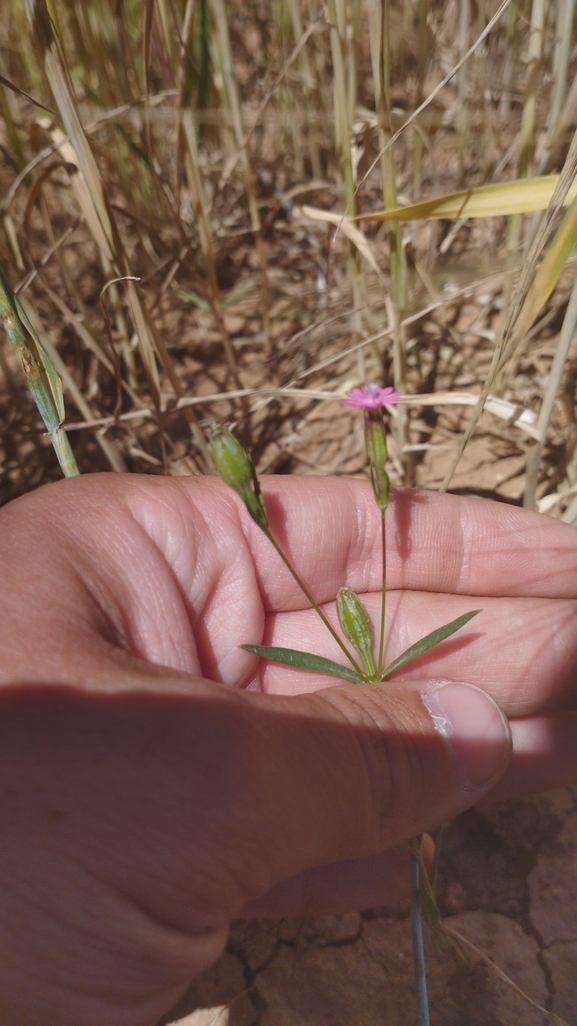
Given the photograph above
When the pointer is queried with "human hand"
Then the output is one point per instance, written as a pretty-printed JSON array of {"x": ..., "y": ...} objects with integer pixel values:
[{"x": 144, "y": 804}]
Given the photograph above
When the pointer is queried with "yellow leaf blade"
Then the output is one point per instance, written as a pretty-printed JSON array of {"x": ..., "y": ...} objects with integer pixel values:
[
  {"x": 549, "y": 272},
  {"x": 521, "y": 196}
]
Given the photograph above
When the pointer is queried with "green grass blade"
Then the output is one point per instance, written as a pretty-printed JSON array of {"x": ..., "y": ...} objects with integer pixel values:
[
  {"x": 41, "y": 377},
  {"x": 46, "y": 391},
  {"x": 304, "y": 661},
  {"x": 429, "y": 641},
  {"x": 240, "y": 292},
  {"x": 193, "y": 297},
  {"x": 51, "y": 378}
]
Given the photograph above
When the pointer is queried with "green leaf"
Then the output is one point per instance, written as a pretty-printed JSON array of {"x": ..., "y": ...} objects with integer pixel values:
[
  {"x": 41, "y": 377},
  {"x": 239, "y": 292},
  {"x": 304, "y": 660},
  {"x": 51, "y": 378},
  {"x": 193, "y": 297},
  {"x": 28, "y": 350},
  {"x": 429, "y": 641}
]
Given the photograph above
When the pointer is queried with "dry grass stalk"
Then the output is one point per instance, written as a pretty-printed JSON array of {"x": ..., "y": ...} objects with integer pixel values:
[
  {"x": 380, "y": 29},
  {"x": 532, "y": 289}
]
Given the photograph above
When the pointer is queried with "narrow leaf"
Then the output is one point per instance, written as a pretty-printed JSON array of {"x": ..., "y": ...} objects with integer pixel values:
[
  {"x": 429, "y": 641},
  {"x": 192, "y": 297},
  {"x": 240, "y": 292},
  {"x": 42, "y": 28},
  {"x": 521, "y": 196},
  {"x": 549, "y": 272},
  {"x": 39, "y": 373},
  {"x": 51, "y": 378},
  {"x": 349, "y": 229},
  {"x": 15, "y": 89},
  {"x": 304, "y": 660},
  {"x": 41, "y": 377}
]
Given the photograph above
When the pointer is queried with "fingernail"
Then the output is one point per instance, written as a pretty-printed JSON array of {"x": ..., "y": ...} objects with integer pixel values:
[{"x": 476, "y": 731}]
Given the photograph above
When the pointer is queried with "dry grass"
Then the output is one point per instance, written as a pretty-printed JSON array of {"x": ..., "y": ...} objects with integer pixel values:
[{"x": 192, "y": 144}]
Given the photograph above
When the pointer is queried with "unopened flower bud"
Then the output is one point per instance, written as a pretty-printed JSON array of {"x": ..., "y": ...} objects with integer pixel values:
[
  {"x": 356, "y": 627},
  {"x": 235, "y": 467},
  {"x": 376, "y": 443}
]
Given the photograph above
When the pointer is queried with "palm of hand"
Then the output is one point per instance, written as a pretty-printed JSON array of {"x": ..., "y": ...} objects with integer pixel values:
[{"x": 122, "y": 598}]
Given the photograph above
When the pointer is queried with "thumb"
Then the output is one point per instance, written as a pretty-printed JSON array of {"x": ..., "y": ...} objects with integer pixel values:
[
  {"x": 358, "y": 770},
  {"x": 199, "y": 791},
  {"x": 142, "y": 812}
]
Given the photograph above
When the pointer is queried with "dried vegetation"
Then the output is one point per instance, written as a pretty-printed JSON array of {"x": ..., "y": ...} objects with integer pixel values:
[{"x": 211, "y": 151}]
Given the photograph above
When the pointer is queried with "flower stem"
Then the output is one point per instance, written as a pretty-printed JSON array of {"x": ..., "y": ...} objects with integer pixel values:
[
  {"x": 438, "y": 838},
  {"x": 383, "y": 597},
  {"x": 418, "y": 950},
  {"x": 314, "y": 604}
]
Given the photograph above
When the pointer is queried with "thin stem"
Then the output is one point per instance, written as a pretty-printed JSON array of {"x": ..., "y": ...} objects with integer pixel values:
[
  {"x": 314, "y": 604},
  {"x": 66, "y": 459},
  {"x": 418, "y": 949},
  {"x": 436, "y": 859},
  {"x": 383, "y": 597}
]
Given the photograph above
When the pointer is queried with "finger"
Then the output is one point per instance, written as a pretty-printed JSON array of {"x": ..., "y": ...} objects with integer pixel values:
[
  {"x": 125, "y": 561},
  {"x": 168, "y": 804},
  {"x": 436, "y": 543},
  {"x": 522, "y": 651},
  {"x": 342, "y": 887},
  {"x": 158, "y": 566},
  {"x": 219, "y": 795},
  {"x": 544, "y": 757},
  {"x": 331, "y": 527}
]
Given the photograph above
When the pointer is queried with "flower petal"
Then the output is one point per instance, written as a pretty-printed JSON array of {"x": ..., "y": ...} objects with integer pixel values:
[{"x": 369, "y": 397}]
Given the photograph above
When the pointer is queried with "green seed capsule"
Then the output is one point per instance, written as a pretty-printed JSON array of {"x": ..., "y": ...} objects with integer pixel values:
[
  {"x": 356, "y": 627},
  {"x": 376, "y": 444},
  {"x": 235, "y": 467}
]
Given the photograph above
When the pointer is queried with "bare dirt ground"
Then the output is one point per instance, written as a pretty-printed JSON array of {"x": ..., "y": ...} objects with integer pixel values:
[{"x": 508, "y": 884}]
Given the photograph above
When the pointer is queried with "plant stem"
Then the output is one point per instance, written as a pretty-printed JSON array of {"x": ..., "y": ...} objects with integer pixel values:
[
  {"x": 383, "y": 597},
  {"x": 314, "y": 604},
  {"x": 418, "y": 950},
  {"x": 66, "y": 459},
  {"x": 436, "y": 859}
]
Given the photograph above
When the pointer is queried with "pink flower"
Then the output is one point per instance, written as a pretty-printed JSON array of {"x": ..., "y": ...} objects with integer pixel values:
[{"x": 371, "y": 396}]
